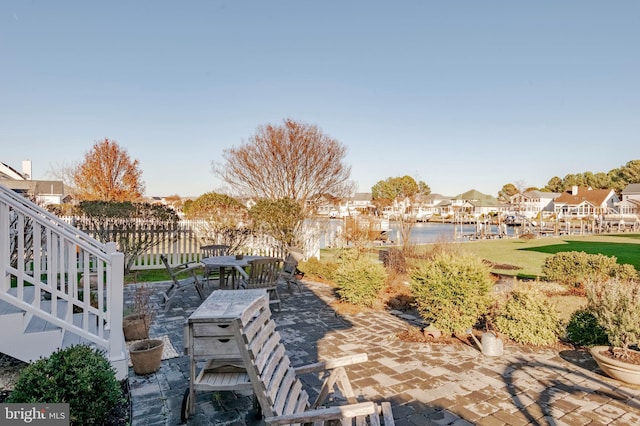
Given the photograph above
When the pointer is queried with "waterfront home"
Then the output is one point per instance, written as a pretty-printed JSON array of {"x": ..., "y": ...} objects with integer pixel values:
[
  {"x": 534, "y": 203},
  {"x": 476, "y": 204},
  {"x": 582, "y": 202}
]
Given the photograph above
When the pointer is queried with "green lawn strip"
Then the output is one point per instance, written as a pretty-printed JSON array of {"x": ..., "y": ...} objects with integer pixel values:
[
  {"x": 529, "y": 255},
  {"x": 151, "y": 275}
]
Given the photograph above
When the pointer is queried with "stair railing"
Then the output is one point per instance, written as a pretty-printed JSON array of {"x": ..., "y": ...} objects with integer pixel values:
[{"x": 61, "y": 263}]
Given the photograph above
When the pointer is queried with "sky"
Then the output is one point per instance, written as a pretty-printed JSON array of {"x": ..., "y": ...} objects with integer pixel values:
[{"x": 459, "y": 94}]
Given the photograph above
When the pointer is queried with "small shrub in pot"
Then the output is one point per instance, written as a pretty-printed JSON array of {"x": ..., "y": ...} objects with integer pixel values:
[{"x": 616, "y": 305}]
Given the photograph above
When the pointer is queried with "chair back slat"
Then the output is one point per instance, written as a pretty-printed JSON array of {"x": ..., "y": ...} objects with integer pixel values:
[
  {"x": 263, "y": 273},
  {"x": 284, "y": 388},
  {"x": 274, "y": 381},
  {"x": 264, "y": 352},
  {"x": 214, "y": 250}
]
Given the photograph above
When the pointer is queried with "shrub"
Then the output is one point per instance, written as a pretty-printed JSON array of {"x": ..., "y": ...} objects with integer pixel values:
[
  {"x": 452, "y": 292},
  {"x": 323, "y": 271},
  {"x": 616, "y": 305},
  {"x": 527, "y": 317},
  {"x": 78, "y": 375},
  {"x": 575, "y": 268},
  {"x": 359, "y": 279},
  {"x": 394, "y": 260},
  {"x": 583, "y": 329}
]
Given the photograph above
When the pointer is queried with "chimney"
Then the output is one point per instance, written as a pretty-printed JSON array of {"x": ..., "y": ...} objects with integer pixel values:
[
  {"x": 26, "y": 169},
  {"x": 574, "y": 190}
]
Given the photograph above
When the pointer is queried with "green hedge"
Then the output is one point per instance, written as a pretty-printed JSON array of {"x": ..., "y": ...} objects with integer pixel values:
[
  {"x": 359, "y": 279},
  {"x": 79, "y": 375},
  {"x": 452, "y": 291},
  {"x": 527, "y": 317},
  {"x": 576, "y": 268}
]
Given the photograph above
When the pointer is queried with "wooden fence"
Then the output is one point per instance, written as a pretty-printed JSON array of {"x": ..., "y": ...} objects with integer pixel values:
[{"x": 180, "y": 241}]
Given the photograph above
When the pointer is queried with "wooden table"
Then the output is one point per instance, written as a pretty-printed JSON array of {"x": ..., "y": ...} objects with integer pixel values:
[
  {"x": 222, "y": 263},
  {"x": 209, "y": 337}
]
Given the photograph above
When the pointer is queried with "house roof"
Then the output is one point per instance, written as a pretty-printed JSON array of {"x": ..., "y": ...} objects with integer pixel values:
[
  {"x": 596, "y": 197},
  {"x": 36, "y": 187},
  {"x": 8, "y": 172},
  {"x": 541, "y": 194},
  {"x": 478, "y": 199},
  {"x": 361, "y": 196},
  {"x": 630, "y": 202},
  {"x": 632, "y": 188}
]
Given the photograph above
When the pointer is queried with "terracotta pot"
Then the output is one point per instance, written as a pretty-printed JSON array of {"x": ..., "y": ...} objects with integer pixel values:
[
  {"x": 146, "y": 356},
  {"x": 432, "y": 332},
  {"x": 615, "y": 368},
  {"x": 135, "y": 327}
]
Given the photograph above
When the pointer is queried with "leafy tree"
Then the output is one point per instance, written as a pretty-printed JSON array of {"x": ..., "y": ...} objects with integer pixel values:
[
  {"x": 507, "y": 192},
  {"x": 219, "y": 219},
  {"x": 120, "y": 222},
  {"x": 555, "y": 184},
  {"x": 398, "y": 187},
  {"x": 108, "y": 174},
  {"x": 293, "y": 160},
  {"x": 384, "y": 192},
  {"x": 621, "y": 177},
  {"x": 282, "y": 219}
]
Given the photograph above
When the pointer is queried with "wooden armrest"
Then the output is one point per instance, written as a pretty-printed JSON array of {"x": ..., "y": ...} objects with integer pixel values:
[
  {"x": 188, "y": 270},
  {"x": 331, "y": 413},
  {"x": 331, "y": 364}
]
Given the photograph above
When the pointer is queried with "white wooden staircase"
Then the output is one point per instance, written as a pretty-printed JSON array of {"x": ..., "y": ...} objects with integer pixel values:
[{"x": 45, "y": 304}]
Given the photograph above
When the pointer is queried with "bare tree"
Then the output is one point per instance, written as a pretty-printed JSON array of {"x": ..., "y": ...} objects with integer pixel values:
[
  {"x": 108, "y": 174},
  {"x": 293, "y": 160},
  {"x": 63, "y": 172},
  {"x": 219, "y": 219}
]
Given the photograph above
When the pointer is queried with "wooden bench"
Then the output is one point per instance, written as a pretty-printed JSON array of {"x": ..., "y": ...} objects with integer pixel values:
[{"x": 276, "y": 382}]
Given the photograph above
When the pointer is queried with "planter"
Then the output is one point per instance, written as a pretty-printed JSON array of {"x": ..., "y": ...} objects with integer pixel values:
[
  {"x": 146, "y": 356},
  {"x": 135, "y": 327},
  {"x": 432, "y": 332},
  {"x": 615, "y": 368}
]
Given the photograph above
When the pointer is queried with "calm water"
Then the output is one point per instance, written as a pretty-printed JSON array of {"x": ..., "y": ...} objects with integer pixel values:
[{"x": 424, "y": 233}]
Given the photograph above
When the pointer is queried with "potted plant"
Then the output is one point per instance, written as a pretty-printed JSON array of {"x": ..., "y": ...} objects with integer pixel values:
[
  {"x": 616, "y": 305},
  {"x": 136, "y": 325},
  {"x": 145, "y": 353}
]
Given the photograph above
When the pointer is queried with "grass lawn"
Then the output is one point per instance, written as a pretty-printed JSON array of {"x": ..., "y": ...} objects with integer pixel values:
[{"x": 529, "y": 255}]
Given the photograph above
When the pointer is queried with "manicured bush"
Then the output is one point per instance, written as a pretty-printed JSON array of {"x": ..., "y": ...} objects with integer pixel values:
[
  {"x": 78, "y": 375},
  {"x": 320, "y": 270},
  {"x": 616, "y": 305},
  {"x": 452, "y": 292},
  {"x": 583, "y": 329},
  {"x": 528, "y": 317},
  {"x": 359, "y": 279},
  {"x": 575, "y": 268}
]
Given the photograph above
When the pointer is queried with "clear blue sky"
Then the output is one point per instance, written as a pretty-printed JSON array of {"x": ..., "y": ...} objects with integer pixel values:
[{"x": 460, "y": 94}]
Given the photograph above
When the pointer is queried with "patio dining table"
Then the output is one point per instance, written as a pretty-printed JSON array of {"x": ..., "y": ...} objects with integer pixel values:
[{"x": 224, "y": 263}]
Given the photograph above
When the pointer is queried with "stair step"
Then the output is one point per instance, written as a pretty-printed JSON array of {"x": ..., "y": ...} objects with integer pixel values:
[
  {"x": 6, "y": 308},
  {"x": 30, "y": 347},
  {"x": 12, "y": 323}
]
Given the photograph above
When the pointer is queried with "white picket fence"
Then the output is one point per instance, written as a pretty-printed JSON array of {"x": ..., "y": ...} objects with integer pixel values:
[{"x": 182, "y": 244}]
